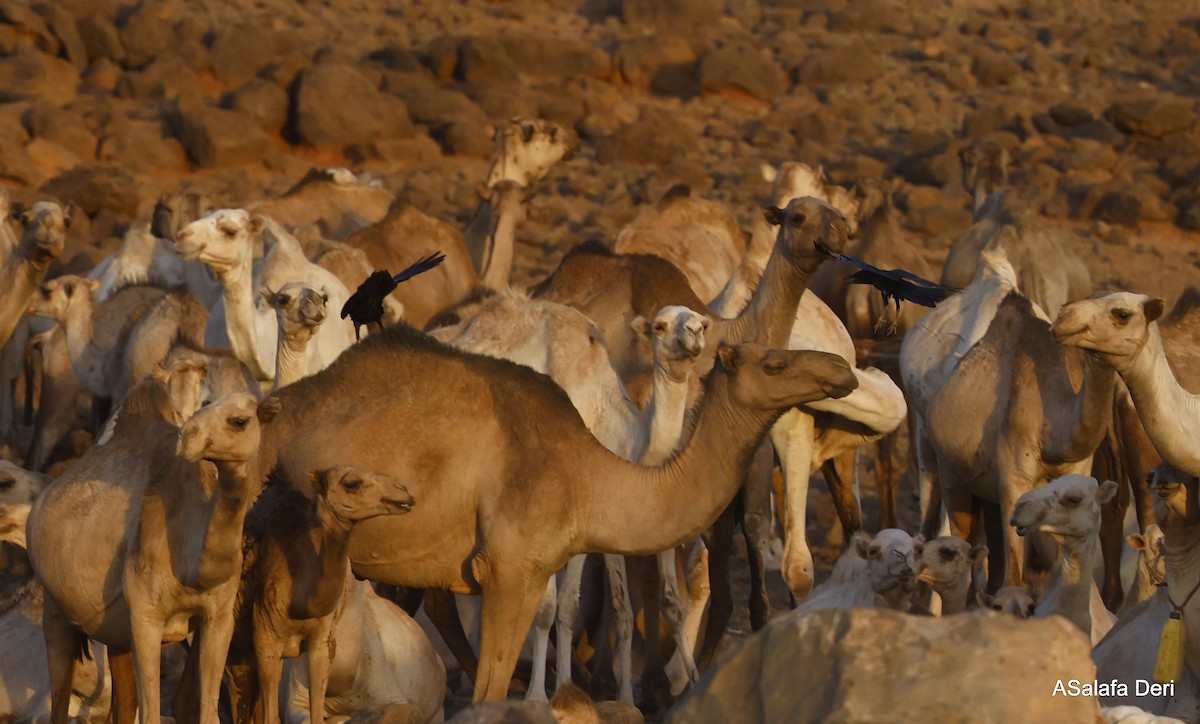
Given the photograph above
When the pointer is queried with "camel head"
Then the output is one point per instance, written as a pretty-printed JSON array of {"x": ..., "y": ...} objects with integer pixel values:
[
  {"x": 175, "y": 211},
  {"x": 13, "y": 517},
  {"x": 1013, "y": 600},
  {"x": 948, "y": 562},
  {"x": 1115, "y": 326},
  {"x": 45, "y": 234},
  {"x": 775, "y": 379},
  {"x": 1151, "y": 549},
  {"x": 527, "y": 148},
  {"x": 891, "y": 557},
  {"x": 805, "y": 222},
  {"x": 1067, "y": 507},
  {"x": 299, "y": 308},
  {"x": 227, "y": 430},
  {"x": 223, "y": 239},
  {"x": 676, "y": 337},
  {"x": 184, "y": 379},
  {"x": 55, "y": 297},
  {"x": 18, "y": 485},
  {"x": 984, "y": 169},
  {"x": 1176, "y": 496},
  {"x": 351, "y": 494}
]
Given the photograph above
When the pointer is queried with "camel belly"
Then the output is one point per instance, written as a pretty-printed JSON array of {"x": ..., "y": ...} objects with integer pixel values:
[{"x": 388, "y": 550}]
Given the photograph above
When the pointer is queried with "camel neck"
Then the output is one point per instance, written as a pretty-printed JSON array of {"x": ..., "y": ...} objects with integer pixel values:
[
  {"x": 323, "y": 593},
  {"x": 238, "y": 295},
  {"x": 1074, "y": 580},
  {"x": 1181, "y": 548},
  {"x": 954, "y": 596},
  {"x": 666, "y": 411},
  {"x": 289, "y": 357},
  {"x": 1091, "y": 414},
  {"x": 745, "y": 278},
  {"x": 639, "y": 510},
  {"x": 221, "y": 552},
  {"x": 78, "y": 323},
  {"x": 497, "y": 261},
  {"x": 769, "y": 317},
  {"x": 1170, "y": 414}
]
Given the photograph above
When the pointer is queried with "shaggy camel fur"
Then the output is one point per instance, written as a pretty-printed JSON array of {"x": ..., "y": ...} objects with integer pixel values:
[
  {"x": 1048, "y": 271},
  {"x": 948, "y": 565},
  {"x": 24, "y": 685},
  {"x": 182, "y": 495},
  {"x": 1010, "y": 418},
  {"x": 1068, "y": 510},
  {"x": 224, "y": 240},
  {"x": 1013, "y": 600},
  {"x": 483, "y": 541},
  {"x": 299, "y": 311},
  {"x": 298, "y": 574},
  {"x": 872, "y": 572},
  {"x": 558, "y": 341},
  {"x": 339, "y": 202},
  {"x": 1129, "y": 651},
  {"x": 45, "y": 233}
]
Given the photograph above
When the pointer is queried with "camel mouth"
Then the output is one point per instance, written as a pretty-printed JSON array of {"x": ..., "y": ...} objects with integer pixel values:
[
  {"x": 1063, "y": 334},
  {"x": 1166, "y": 491},
  {"x": 1023, "y": 529},
  {"x": 399, "y": 507},
  {"x": 927, "y": 577}
]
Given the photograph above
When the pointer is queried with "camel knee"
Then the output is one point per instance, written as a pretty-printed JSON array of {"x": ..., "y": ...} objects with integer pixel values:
[{"x": 798, "y": 569}]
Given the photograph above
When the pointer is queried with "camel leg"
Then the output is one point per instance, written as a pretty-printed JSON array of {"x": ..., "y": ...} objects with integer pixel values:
[
  {"x": 270, "y": 670},
  {"x": 320, "y": 654},
  {"x": 443, "y": 612},
  {"x": 214, "y": 637},
  {"x": 618, "y": 582},
  {"x": 510, "y": 600},
  {"x": 542, "y": 620},
  {"x": 839, "y": 475},
  {"x": 756, "y": 529},
  {"x": 1014, "y": 544},
  {"x": 1138, "y": 455},
  {"x": 719, "y": 540},
  {"x": 672, "y": 607},
  {"x": 793, "y": 440},
  {"x": 933, "y": 511},
  {"x": 656, "y": 687},
  {"x": 887, "y": 479},
  {"x": 62, "y": 649},
  {"x": 147, "y": 648},
  {"x": 124, "y": 686},
  {"x": 567, "y": 613}
]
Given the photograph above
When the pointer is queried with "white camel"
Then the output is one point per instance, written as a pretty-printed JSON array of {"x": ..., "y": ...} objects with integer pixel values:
[
  {"x": 225, "y": 241},
  {"x": 299, "y": 312},
  {"x": 879, "y": 572}
]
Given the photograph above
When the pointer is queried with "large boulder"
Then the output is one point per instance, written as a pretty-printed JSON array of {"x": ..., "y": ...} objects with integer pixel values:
[
  {"x": 147, "y": 31},
  {"x": 28, "y": 74},
  {"x": 96, "y": 188},
  {"x": 218, "y": 137},
  {"x": 544, "y": 56},
  {"x": 334, "y": 104},
  {"x": 850, "y": 63},
  {"x": 656, "y": 137},
  {"x": 263, "y": 101},
  {"x": 742, "y": 67},
  {"x": 677, "y": 15},
  {"x": 868, "y": 665},
  {"x": 1154, "y": 116}
]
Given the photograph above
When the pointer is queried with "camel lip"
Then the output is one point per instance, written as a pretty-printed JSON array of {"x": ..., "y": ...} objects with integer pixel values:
[
  {"x": 403, "y": 506},
  {"x": 927, "y": 577},
  {"x": 1063, "y": 334}
]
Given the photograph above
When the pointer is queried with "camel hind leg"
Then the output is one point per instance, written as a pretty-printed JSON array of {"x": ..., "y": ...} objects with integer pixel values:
[
  {"x": 565, "y": 616},
  {"x": 65, "y": 644},
  {"x": 542, "y": 621},
  {"x": 672, "y": 607},
  {"x": 618, "y": 581},
  {"x": 510, "y": 601}
]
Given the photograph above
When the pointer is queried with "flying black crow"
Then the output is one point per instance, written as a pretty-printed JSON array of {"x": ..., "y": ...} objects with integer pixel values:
[
  {"x": 893, "y": 284},
  {"x": 365, "y": 305}
]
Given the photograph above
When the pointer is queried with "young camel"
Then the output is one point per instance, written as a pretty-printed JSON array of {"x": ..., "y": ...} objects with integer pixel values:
[
  {"x": 1151, "y": 566},
  {"x": 560, "y": 342},
  {"x": 172, "y": 567},
  {"x": 299, "y": 312},
  {"x": 1068, "y": 510},
  {"x": 42, "y": 242},
  {"x": 948, "y": 565},
  {"x": 1013, "y": 600},
  {"x": 299, "y": 574},
  {"x": 225, "y": 240},
  {"x": 872, "y": 572},
  {"x": 473, "y": 531},
  {"x": 24, "y": 685}
]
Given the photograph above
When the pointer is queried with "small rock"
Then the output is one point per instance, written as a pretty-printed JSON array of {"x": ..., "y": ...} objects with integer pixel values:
[
  {"x": 95, "y": 188},
  {"x": 143, "y": 146},
  {"x": 1069, "y": 115},
  {"x": 62, "y": 23},
  {"x": 148, "y": 30},
  {"x": 554, "y": 57},
  {"x": 335, "y": 104},
  {"x": 239, "y": 51},
  {"x": 100, "y": 38},
  {"x": 866, "y": 16},
  {"x": 102, "y": 74},
  {"x": 640, "y": 59},
  {"x": 985, "y": 120},
  {"x": 506, "y": 712},
  {"x": 30, "y": 74},
  {"x": 992, "y": 67},
  {"x": 263, "y": 101},
  {"x": 655, "y": 138},
  {"x": 217, "y": 137},
  {"x": 642, "y": 15},
  {"x": 743, "y": 67},
  {"x": 852, "y": 63},
  {"x": 483, "y": 58},
  {"x": 1154, "y": 116},
  {"x": 167, "y": 78},
  {"x": 64, "y": 127}
]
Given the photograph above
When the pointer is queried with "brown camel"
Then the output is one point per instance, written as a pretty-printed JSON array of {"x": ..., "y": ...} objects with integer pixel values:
[
  {"x": 1009, "y": 419},
  {"x": 297, "y": 573},
  {"x": 339, "y": 202},
  {"x": 398, "y": 402},
  {"x": 171, "y": 565},
  {"x": 45, "y": 233}
]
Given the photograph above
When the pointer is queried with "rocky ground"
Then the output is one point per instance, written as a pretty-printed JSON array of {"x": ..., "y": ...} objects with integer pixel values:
[{"x": 109, "y": 103}]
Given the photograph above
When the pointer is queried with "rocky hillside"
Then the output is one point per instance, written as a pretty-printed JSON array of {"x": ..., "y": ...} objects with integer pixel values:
[{"x": 109, "y": 103}]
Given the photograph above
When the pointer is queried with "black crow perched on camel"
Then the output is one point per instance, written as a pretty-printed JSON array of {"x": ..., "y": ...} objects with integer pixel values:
[{"x": 366, "y": 304}]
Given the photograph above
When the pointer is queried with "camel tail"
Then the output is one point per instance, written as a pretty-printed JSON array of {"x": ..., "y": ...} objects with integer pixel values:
[{"x": 79, "y": 644}]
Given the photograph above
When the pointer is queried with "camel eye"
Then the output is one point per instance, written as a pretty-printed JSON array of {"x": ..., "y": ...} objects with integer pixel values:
[
  {"x": 239, "y": 423},
  {"x": 352, "y": 485},
  {"x": 773, "y": 368},
  {"x": 1072, "y": 500},
  {"x": 1122, "y": 315},
  {"x": 948, "y": 554},
  {"x": 229, "y": 233},
  {"x": 6, "y": 483}
]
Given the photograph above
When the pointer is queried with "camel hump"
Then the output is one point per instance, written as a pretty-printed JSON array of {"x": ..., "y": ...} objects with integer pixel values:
[
  {"x": 673, "y": 194},
  {"x": 1187, "y": 305}
]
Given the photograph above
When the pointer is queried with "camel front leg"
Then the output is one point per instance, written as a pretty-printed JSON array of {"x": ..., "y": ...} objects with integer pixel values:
[
  {"x": 124, "y": 686},
  {"x": 887, "y": 478},
  {"x": 215, "y": 634},
  {"x": 567, "y": 614},
  {"x": 672, "y": 607},
  {"x": 618, "y": 583},
  {"x": 510, "y": 600},
  {"x": 934, "y": 521},
  {"x": 756, "y": 529},
  {"x": 443, "y": 612},
  {"x": 542, "y": 621},
  {"x": 719, "y": 543},
  {"x": 269, "y": 661},
  {"x": 147, "y": 650},
  {"x": 320, "y": 654},
  {"x": 1013, "y": 543},
  {"x": 793, "y": 440},
  {"x": 62, "y": 649},
  {"x": 841, "y": 476}
]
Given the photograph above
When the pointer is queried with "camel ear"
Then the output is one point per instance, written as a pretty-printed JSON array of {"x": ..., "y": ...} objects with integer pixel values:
[
  {"x": 1137, "y": 541},
  {"x": 978, "y": 554},
  {"x": 769, "y": 172},
  {"x": 773, "y": 215},
  {"x": 268, "y": 409},
  {"x": 1106, "y": 492},
  {"x": 93, "y": 284},
  {"x": 639, "y": 325},
  {"x": 861, "y": 543},
  {"x": 256, "y": 224},
  {"x": 728, "y": 357},
  {"x": 1153, "y": 309}
]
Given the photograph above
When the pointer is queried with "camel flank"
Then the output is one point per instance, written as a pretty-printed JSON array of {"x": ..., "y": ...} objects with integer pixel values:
[{"x": 399, "y": 402}]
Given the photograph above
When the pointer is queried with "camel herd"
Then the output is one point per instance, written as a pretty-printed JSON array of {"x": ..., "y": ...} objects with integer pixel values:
[{"x": 258, "y": 485}]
